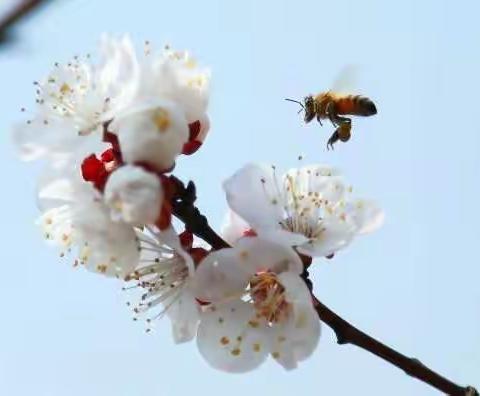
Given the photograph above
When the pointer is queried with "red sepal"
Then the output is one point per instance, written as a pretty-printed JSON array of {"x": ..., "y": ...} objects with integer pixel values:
[
  {"x": 108, "y": 155},
  {"x": 165, "y": 218},
  {"x": 194, "y": 130},
  {"x": 250, "y": 233},
  {"x": 93, "y": 170},
  {"x": 109, "y": 137},
  {"x": 191, "y": 147},
  {"x": 198, "y": 254},
  {"x": 202, "y": 303},
  {"x": 91, "y": 167},
  {"x": 186, "y": 240}
]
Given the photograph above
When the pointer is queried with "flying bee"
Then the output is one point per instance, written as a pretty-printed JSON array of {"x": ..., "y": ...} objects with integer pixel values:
[{"x": 334, "y": 106}]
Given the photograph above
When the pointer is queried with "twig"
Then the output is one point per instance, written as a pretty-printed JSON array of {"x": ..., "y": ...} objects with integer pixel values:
[
  {"x": 10, "y": 19},
  {"x": 196, "y": 223},
  {"x": 346, "y": 333}
]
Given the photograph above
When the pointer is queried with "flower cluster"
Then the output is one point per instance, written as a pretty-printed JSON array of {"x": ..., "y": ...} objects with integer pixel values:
[{"x": 110, "y": 133}]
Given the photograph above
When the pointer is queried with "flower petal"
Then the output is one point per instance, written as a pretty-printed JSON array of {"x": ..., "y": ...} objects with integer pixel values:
[
  {"x": 296, "y": 291},
  {"x": 320, "y": 179},
  {"x": 282, "y": 237},
  {"x": 233, "y": 227},
  {"x": 228, "y": 341},
  {"x": 254, "y": 194},
  {"x": 184, "y": 315},
  {"x": 106, "y": 246},
  {"x": 134, "y": 195},
  {"x": 258, "y": 254},
  {"x": 335, "y": 236},
  {"x": 367, "y": 215},
  {"x": 296, "y": 339},
  {"x": 154, "y": 133},
  {"x": 220, "y": 277}
]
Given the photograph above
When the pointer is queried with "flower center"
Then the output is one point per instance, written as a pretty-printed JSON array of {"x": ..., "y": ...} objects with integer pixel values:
[
  {"x": 161, "y": 119},
  {"x": 306, "y": 209},
  {"x": 268, "y": 297}
]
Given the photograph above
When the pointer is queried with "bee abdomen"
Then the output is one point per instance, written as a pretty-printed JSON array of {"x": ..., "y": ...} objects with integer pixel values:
[{"x": 356, "y": 105}]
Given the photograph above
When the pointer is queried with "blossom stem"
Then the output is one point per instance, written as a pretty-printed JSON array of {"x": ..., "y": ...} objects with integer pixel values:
[
  {"x": 16, "y": 14},
  {"x": 349, "y": 334},
  {"x": 185, "y": 210}
]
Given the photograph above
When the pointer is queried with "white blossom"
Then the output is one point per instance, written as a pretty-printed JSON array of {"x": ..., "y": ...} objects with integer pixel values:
[
  {"x": 164, "y": 277},
  {"x": 151, "y": 99},
  {"x": 175, "y": 76},
  {"x": 154, "y": 135},
  {"x": 76, "y": 219},
  {"x": 309, "y": 208},
  {"x": 133, "y": 195},
  {"x": 172, "y": 94},
  {"x": 76, "y": 98},
  {"x": 259, "y": 306}
]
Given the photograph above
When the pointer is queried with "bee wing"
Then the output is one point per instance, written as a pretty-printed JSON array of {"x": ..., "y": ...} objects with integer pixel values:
[{"x": 346, "y": 81}]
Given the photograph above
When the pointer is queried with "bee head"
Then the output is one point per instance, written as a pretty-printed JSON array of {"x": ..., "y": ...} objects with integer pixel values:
[{"x": 309, "y": 105}]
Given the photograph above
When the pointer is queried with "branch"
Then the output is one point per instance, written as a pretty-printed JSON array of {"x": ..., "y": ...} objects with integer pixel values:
[
  {"x": 348, "y": 334},
  {"x": 195, "y": 222},
  {"x": 10, "y": 19},
  {"x": 185, "y": 210}
]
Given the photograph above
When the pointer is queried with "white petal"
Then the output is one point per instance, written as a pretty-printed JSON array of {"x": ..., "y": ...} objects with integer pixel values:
[
  {"x": 255, "y": 194},
  {"x": 54, "y": 192},
  {"x": 296, "y": 339},
  {"x": 335, "y": 236},
  {"x": 257, "y": 254},
  {"x": 57, "y": 227},
  {"x": 107, "y": 247},
  {"x": 134, "y": 195},
  {"x": 282, "y": 237},
  {"x": 184, "y": 315},
  {"x": 367, "y": 215},
  {"x": 232, "y": 339},
  {"x": 220, "y": 277},
  {"x": 296, "y": 291},
  {"x": 167, "y": 238},
  {"x": 154, "y": 133},
  {"x": 233, "y": 227},
  {"x": 321, "y": 179},
  {"x": 37, "y": 139},
  {"x": 118, "y": 73},
  {"x": 176, "y": 76}
]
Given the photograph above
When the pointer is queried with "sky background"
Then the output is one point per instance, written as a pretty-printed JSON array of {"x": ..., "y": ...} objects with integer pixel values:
[{"x": 414, "y": 284}]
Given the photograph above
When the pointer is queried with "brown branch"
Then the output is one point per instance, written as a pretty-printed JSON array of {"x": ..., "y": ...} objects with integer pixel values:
[
  {"x": 184, "y": 209},
  {"x": 17, "y": 14},
  {"x": 348, "y": 334}
]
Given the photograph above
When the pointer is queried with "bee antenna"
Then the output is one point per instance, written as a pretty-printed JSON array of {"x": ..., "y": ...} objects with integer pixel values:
[{"x": 296, "y": 101}]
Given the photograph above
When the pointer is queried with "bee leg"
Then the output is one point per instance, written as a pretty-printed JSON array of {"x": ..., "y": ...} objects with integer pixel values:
[
  {"x": 339, "y": 121},
  {"x": 333, "y": 139},
  {"x": 342, "y": 133},
  {"x": 330, "y": 110},
  {"x": 319, "y": 120},
  {"x": 344, "y": 130}
]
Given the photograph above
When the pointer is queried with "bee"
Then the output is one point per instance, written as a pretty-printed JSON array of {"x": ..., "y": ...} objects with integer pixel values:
[{"x": 334, "y": 107}]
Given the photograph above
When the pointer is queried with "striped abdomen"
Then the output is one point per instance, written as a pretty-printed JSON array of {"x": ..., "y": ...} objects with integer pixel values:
[{"x": 355, "y": 105}]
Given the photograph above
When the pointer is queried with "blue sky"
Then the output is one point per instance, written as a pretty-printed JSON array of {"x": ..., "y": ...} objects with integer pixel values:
[{"x": 413, "y": 284}]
